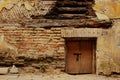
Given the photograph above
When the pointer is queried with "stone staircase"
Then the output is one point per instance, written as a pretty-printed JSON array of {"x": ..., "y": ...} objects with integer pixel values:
[{"x": 72, "y": 9}]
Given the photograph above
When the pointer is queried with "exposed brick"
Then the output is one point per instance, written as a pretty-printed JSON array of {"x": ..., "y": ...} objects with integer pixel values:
[{"x": 35, "y": 42}]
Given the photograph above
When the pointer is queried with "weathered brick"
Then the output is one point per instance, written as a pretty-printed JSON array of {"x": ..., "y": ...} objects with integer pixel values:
[{"x": 33, "y": 42}]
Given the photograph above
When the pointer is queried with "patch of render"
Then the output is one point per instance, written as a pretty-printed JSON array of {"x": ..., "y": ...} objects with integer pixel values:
[
  {"x": 107, "y": 46},
  {"x": 110, "y": 10},
  {"x": 7, "y": 50},
  {"x": 23, "y": 12},
  {"x": 108, "y": 51}
]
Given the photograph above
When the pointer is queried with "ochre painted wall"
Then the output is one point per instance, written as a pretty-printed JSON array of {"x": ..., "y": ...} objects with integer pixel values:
[
  {"x": 110, "y": 8},
  {"x": 108, "y": 50},
  {"x": 108, "y": 47}
]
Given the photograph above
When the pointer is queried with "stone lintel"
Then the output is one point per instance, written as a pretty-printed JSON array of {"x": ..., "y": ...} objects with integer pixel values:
[{"x": 83, "y": 32}]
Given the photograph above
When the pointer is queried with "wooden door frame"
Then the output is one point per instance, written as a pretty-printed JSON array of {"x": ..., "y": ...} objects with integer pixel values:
[
  {"x": 94, "y": 56},
  {"x": 94, "y": 52}
]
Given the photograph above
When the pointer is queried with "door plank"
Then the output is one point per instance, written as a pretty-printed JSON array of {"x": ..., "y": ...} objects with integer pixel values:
[
  {"x": 72, "y": 64},
  {"x": 79, "y": 56},
  {"x": 86, "y": 48}
]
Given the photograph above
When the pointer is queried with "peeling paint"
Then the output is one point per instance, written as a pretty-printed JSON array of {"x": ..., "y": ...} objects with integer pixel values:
[
  {"x": 4, "y": 3},
  {"x": 102, "y": 16}
]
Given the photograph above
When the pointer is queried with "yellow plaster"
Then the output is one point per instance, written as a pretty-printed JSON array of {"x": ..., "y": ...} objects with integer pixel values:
[
  {"x": 8, "y": 4},
  {"x": 109, "y": 8}
]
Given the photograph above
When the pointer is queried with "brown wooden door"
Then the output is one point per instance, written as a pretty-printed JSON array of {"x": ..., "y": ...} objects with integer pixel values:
[
  {"x": 72, "y": 63},
  {"x": 79, "y": 56}
]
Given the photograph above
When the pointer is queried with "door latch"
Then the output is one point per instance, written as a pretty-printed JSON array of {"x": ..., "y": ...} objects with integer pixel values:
[{"x": 77, "y": 56}]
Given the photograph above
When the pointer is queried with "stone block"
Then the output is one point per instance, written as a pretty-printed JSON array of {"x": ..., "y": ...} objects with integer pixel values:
[
  {"x": 14, "y": 70},
  {"x": 4, "y": 70}
]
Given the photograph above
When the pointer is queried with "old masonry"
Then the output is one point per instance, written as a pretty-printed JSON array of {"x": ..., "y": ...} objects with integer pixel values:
[{"x": 77, "y": 36}]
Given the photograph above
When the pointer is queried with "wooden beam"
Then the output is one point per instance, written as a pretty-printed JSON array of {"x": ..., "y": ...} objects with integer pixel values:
[
  {"x": 73, "y": 3},
  {"x": 72, "y": 9},
  {"x": 72, "y": 16},
  {"x": 47, "y": 23}
]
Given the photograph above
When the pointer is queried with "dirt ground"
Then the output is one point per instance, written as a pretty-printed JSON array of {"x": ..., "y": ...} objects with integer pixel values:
[
  {"x": 55, "y": 77},
  {"x": 30, "y": 73}
]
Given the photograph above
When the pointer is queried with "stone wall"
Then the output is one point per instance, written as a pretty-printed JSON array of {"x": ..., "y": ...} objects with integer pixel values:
[
  {"x": 37, "y": 44},
  {"x": 108, "y": 47},
  {"x": 108, "y": 50}
]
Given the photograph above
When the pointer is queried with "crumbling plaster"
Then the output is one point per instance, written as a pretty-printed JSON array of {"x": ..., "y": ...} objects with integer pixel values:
[
  {"x": 22, "y": 10},
  {"x": 108, "y": 48}
]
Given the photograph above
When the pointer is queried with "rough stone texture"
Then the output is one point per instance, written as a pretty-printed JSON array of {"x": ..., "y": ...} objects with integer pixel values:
[
  {"x": 108, "y": 51},
  {"x": 13, "y": 70},
  {"x": 108, "y": 47}
]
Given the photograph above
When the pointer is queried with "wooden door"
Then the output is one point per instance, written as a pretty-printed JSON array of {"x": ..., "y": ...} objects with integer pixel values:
[
  {"x": 86, "y": 49},
  {"x": 79, "y": 56},
  {"x": 73, "y": 64}
]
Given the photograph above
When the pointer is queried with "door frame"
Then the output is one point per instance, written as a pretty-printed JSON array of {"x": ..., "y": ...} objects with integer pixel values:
[{"x": 94, "y": 51}]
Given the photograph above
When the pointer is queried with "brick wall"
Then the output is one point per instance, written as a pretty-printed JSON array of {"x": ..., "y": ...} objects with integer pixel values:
[{"x": 35, "y": 43}]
